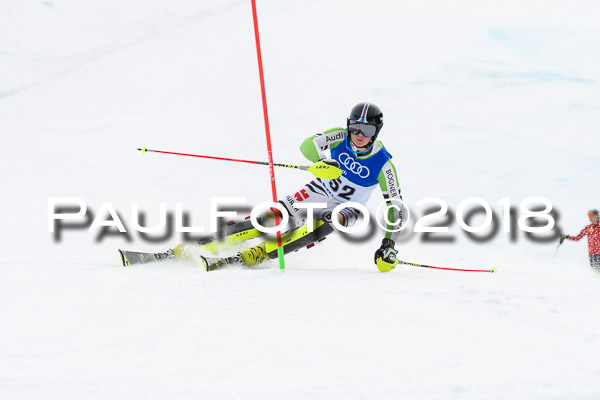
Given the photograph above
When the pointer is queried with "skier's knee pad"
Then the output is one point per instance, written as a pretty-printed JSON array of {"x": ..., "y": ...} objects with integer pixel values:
[
  {"x": 265, "y": 218},
  {"x": 269, "y": 217},
  {"x": 346, "y": 217}
]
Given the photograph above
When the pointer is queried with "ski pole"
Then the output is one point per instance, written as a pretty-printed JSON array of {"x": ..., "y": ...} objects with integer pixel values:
[
  {"x": 562, "y": 239},
  {"x": 492, "y": 270},
  {"x": 319, "y": 169}
]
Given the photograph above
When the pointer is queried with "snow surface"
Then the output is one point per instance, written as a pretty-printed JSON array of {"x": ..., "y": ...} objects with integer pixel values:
[{"x": 481, "y": 99}]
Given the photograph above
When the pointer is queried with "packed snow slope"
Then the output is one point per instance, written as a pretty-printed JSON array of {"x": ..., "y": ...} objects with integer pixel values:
[{"x": 481, "y": 99}]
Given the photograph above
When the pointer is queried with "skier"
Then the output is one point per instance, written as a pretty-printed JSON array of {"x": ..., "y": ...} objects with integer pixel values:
[
  {"x": 592, "y": 231},
  {"x": 364, "y": 163}
]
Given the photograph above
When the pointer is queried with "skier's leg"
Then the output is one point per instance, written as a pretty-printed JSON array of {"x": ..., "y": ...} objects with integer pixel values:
[
  {"x": 235, "y": 233},
  {"x": 299, "y": 237},
  {"x": 291, "y": 241},
  {"x": 595, "y": 262}
]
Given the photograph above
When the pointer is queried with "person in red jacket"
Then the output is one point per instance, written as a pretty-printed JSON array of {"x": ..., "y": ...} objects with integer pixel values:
[{"x": 592, "y": 231}]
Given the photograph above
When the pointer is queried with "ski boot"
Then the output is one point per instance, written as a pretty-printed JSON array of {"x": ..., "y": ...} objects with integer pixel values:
[{"x": 249, "y": 257}]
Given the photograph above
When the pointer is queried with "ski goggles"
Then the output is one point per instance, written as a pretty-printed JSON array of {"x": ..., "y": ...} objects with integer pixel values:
[
  {"x": 593, "y": 212},
  {"x": 367, "y": 130}
]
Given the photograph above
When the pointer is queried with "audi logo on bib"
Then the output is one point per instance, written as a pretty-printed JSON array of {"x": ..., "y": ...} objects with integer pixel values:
[{"x": 353, "y": 166}]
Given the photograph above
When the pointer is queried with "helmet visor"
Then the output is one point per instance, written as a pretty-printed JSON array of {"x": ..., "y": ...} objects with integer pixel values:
[{"x": 367, "y": 130}]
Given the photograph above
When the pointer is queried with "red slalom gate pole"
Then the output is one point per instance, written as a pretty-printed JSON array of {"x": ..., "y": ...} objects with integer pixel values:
[
  {"x": 268, "y": 132},
  {"x": 492, "y": 270}
]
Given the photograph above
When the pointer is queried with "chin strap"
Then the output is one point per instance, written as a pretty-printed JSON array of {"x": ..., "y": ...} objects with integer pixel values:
[{"x": 352, "y": 147}]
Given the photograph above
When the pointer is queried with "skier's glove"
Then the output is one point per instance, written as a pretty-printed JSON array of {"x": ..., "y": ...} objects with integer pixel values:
[
  {"x": 326, "y": 168},
  {"x": 563, "y": 237},
  {"x": 385, "y": 256},
  {"x": 331, "y": 161}
]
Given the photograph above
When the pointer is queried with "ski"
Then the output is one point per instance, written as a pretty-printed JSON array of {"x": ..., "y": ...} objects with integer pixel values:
[{"x": 129, "y": 258}]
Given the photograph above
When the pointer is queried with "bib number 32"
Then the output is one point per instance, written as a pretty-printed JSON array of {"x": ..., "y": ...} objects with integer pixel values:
[{"x": 345, "y": 192}]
